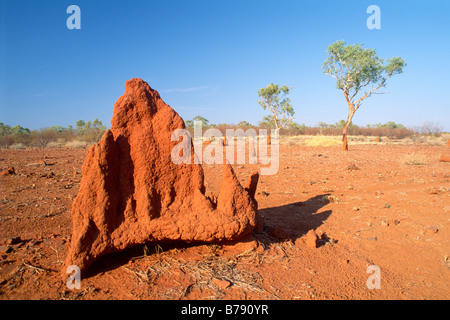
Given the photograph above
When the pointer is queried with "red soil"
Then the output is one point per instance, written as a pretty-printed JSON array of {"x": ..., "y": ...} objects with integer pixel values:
[{"x": 385, "y": 213}]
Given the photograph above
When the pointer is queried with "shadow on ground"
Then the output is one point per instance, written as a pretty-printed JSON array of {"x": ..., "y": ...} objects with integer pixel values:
[
  {"x": 294, "y": 220},
  {"x": 283, "y": 223}
]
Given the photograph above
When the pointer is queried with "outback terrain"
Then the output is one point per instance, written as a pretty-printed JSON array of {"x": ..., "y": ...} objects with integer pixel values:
[{"x": 378, "y": 204}]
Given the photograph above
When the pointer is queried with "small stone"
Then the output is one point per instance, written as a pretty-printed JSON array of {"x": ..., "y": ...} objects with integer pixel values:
[
  {"x": 5, "y": 249},
  {"x": 352, "y": 167},
  {"x": 355, "y": 209},
  {"x": 384, "y": 223},
  {"x": 312, "y": 239},
  {"x": 246, "y": 246},
  {"x": 372, "y": 238},
  {"x": 222, "y": 284},
  {"x": 32, "y": 242},
  {"x": 431, "y": 230},
  {"x": 12, "y": 240},
  {"x": 8, "y": 172}
]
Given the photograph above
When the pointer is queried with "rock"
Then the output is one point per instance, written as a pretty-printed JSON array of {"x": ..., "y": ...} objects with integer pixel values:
[
  {"x": 42, "y": 163},
  {"x": 352, "y": 167},
  {"x": 5, "y": 249},
  {"x": 8, "y": 172},
  {"x": 12, "y": 240},
  {"x": 431, "y": 230},
  {"x": 312, "y": 239},
  {"x": 222, "y": 284},
  {"x": 249, "y": 245},
  {"x": 445, "y": 158},
  {"x": 32, "y": 242},
  {"x": 131, "y": 192}
]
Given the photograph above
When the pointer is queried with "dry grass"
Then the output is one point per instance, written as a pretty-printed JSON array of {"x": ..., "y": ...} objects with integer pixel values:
[
  {"x": 325, "y": 141},
  {"x": 414, "y": 160},
  {"x": 76, "y": 144},
  {"x": 321, "y": 141},
  {"x": 17, "y": 146},
  {"x": 202, "y": 273}
]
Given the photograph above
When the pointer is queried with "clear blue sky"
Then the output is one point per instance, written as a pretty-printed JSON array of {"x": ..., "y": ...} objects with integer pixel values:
[{"x": 209, "y": 58}]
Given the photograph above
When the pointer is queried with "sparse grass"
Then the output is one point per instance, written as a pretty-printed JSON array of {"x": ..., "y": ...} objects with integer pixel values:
[
  {"x": 321, "y": 141},
  {"x": 56, "y": 144},
  {"x": 432, "y": 140},
  {"x": 414, "y": 160},
  {"x": 325, "y": 141},
  {"x": 203, "y": 272},
  {"x": 76, "y": 144},
  {"x": 17, "y": 146}
]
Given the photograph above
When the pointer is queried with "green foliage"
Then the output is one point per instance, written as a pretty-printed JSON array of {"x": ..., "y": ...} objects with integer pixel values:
[
  {"x": 90, "y": 132},
  {"x": 204, "y": 121},
  {"x": 356, "y": 69},
  {"x": 81, "y": 124},
  {"x": 274, "y": 98},
  {"x": 244, "y": 124},
  {"x": 389, "y": 125}
]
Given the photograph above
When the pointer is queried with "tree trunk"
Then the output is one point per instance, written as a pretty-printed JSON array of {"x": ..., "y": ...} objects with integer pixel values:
[{"x": 344, "y": 132}]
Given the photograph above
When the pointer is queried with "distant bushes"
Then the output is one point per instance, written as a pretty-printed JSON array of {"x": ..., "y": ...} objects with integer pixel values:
[
  {"x": 390, "y": 129},
  {"x": 83, "y": 133},
  {"x": 86, "y": 133}
]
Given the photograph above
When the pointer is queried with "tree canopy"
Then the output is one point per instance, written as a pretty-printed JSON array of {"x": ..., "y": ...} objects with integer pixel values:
[
  {"x": 359, "y": 73},
  {"x": 274, "y": 98}
]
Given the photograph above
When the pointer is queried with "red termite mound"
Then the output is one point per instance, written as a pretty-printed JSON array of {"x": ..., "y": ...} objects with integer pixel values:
[{"x": 132, "y": 193}]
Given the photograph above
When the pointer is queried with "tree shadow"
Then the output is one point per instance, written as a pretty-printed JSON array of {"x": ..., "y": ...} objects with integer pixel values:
[{"x": 294, "y": 220}]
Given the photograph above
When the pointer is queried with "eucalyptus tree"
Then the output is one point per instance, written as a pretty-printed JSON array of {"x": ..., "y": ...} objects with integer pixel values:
[
  {"x": 359, "y": 73},
  {"x": 274, "y": 98}
]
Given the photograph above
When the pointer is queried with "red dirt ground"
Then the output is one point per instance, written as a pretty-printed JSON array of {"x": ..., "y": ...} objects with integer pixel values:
[{"x": 368, "y": 206}]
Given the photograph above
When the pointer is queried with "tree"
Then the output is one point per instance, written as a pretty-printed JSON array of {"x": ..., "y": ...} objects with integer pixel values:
[
  {"x": 273, "y": 97},
  {"x": 359, "y": 73},
  {"x": 80, "y": 126},
  {"x": 202, "y": 120},
  {"x": 244, "y": 123}
]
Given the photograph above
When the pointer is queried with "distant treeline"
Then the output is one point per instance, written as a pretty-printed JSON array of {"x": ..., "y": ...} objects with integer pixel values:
[
  {"x": 389, "y": 129},
  {"x": 89, "y": 132}
]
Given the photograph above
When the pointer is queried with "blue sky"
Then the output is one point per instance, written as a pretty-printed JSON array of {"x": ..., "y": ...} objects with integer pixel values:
[{"x": 209, "y": 58}]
